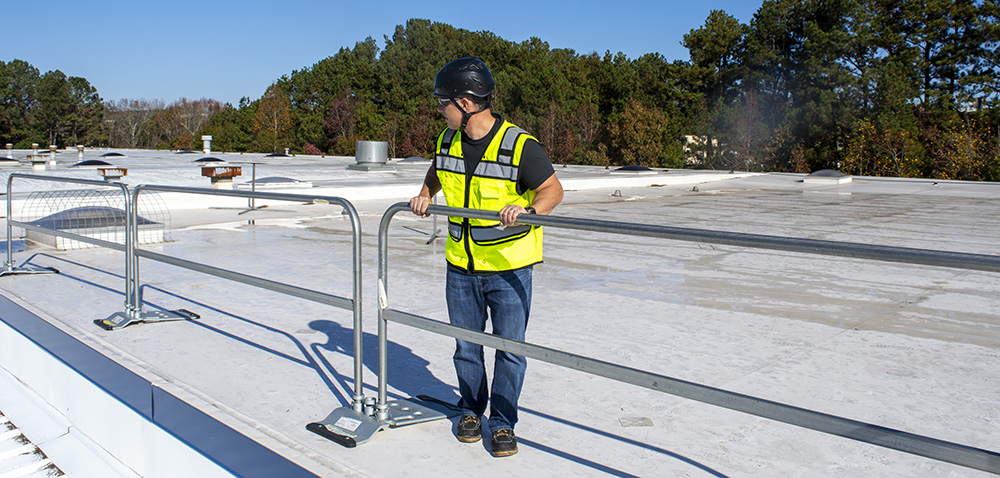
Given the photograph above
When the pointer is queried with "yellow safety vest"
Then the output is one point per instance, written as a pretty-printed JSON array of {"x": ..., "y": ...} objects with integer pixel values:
[{"x": 480, "y": 245}]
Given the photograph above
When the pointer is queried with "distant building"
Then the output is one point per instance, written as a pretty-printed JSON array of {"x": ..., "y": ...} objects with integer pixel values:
[{"x": 696, "y": 149}]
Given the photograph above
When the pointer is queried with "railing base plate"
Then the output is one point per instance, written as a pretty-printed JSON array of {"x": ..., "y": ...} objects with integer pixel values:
[
  {"x": 120, "y": 320},
  {"x": 347, "y": 427},
  {"x": 350, "y": 428},
  {"x": 29, "y": 270},
  {"x": 410, "y": 411}
]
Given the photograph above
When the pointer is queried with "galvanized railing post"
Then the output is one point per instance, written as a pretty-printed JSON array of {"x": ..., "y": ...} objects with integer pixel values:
[
  {"x": 131, "y": 242},
  {"x": 8, "y": 265},
  {"x": 382, "y": 408},
  {"x": 359, "y": 386}
]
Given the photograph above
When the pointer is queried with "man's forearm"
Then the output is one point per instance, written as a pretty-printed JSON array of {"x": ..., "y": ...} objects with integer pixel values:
[
  {"x": 548, "y": 196},
  {"x": 431, "y": 184}
]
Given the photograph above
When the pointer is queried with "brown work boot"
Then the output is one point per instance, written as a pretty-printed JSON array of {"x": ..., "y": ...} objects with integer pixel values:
[
  {"x": 470, "y": 429},
  {"x": 504, "y": 443}
]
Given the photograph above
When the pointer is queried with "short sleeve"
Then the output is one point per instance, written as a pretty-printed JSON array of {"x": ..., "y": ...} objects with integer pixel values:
[{"x": 535, "y": 167}]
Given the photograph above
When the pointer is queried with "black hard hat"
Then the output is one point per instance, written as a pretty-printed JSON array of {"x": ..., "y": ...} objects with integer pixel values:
[{"x": 464, "y": 77}]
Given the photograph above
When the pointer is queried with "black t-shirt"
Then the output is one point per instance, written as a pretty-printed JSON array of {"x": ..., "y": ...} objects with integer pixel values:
[{"x": 534, "y": 168}]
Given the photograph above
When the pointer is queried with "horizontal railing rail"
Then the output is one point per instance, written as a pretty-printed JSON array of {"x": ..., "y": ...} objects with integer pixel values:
[
  {"x": 928, "y": 447},
  {"x": 280, "y": 287},
  {"x": 69, "y": 235},
  {"x": 928, "y": 257}
]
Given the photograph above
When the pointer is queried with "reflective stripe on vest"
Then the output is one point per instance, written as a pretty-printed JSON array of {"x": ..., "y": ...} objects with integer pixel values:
[{"x": 479, "y": 244}]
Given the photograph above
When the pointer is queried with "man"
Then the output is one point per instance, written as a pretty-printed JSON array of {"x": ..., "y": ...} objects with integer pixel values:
[{"x": 484, "y": 162}]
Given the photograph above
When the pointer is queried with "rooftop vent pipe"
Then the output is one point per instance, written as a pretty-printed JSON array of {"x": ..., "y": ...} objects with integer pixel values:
[{"x": 371, "y": 156}]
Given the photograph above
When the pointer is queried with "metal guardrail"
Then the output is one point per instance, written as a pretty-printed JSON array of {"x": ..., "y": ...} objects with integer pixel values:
[
  {"x": 941, "y": 450},
  {"x": 10, "y": 268},
  {"x": 350, "y": 430},
  {"x": 353, "y": 304},
  {"x": 133, "y": 298}
]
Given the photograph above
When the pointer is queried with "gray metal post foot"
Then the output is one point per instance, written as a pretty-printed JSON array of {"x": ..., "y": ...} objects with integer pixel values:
[
  {"x": 350, "y": 428},
  {"x": 120, "y": 320},
  {"x": 8, "y": 270},
  {"x": 410, "y": 411},
  {"x": 347, "y": 427}
]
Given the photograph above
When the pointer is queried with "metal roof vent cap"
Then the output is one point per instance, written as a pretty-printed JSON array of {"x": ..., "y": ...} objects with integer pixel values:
[{"x": 371, "y": 156}]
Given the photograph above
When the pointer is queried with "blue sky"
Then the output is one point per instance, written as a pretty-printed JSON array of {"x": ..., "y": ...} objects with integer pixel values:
[{"x": 227, "y": 50}]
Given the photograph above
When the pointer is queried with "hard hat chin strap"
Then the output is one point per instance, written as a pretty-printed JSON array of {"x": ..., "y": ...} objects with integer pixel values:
[{"x": 466, "y": 115}]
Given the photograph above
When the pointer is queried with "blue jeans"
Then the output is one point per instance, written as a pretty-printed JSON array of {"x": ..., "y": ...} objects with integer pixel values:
[{"x": 507, "y": 297}]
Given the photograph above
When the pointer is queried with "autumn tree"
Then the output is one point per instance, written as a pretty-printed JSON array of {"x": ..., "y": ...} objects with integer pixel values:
[
  {"x": 339, "y": 123},
  {"x": 749, "y": 140},
  {"x": 882, "y": 150},
  {"x": 273, "y": 119},
  {"x": 414, "y": 135},
  {"x": 641, "y": 136},
  {"x": 963, "y": 149},
  {"x": 180, "y": 122},
  {"x": 129, "y": 123}
]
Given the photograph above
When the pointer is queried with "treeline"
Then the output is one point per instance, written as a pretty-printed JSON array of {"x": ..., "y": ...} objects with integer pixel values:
[
  {"x": 874, "y": 87},
  {"x": 48, "y": 108},
  {"x": 53, "y": 109},
  {"x": 152, "y": 124}
]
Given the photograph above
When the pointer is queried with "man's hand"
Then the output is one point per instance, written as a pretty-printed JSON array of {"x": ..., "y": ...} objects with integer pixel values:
[
  {"x": 509, "y": 213},
  {"x": 418, "y": 204}
]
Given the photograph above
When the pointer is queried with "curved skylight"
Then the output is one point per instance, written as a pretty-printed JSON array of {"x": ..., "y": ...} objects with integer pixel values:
[
  {"x": 91, "y": 162},
  {"x": 86, "y": 217},
  {"x": 633, "y": 167},
  {"x": 275, "y": 180}
]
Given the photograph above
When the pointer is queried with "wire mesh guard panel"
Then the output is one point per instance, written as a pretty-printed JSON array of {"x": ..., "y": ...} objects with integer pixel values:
[{"x": 96, "y": 213}]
